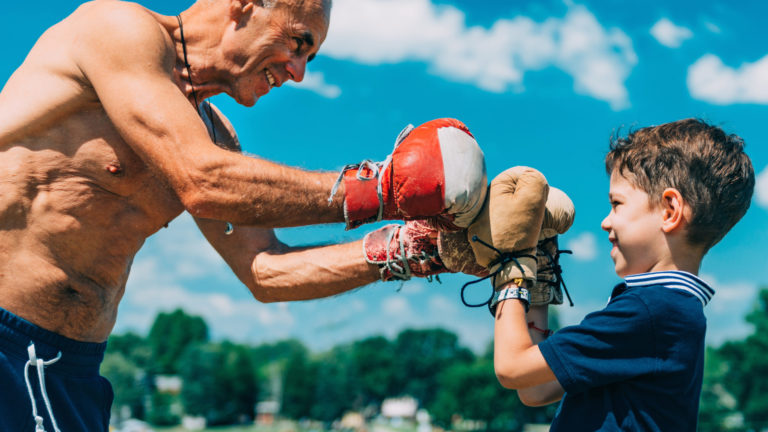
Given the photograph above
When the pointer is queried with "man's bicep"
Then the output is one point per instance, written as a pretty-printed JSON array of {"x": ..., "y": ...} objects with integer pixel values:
[{"x": 128, "y": 59}]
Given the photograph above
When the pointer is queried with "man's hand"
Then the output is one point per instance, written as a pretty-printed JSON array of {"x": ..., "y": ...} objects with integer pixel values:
[
  {"x": 505, "y": 234},
  {"x": 402, "y": 251},
  {"x": 436, "y": 170}
]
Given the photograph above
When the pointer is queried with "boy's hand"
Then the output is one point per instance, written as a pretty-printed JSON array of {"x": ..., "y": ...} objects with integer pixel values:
[{"x": 510, "y": 222}]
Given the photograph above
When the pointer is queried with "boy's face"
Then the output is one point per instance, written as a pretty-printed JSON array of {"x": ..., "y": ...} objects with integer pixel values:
[{"x": 634, "y": 228}]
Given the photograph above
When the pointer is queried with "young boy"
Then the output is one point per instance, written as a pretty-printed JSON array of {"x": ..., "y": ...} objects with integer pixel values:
[{"x": 675, "y": 191}]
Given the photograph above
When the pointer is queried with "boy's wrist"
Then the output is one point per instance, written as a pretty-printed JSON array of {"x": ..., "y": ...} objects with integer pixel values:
[{"x": 515, "y": 290}]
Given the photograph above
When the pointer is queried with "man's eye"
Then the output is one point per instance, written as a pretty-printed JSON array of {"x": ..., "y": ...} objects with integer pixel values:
[{"x": 299, "y": 43}]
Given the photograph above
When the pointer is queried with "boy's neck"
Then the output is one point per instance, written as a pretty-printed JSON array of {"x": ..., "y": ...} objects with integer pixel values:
[{"x": 682, "y": 258}]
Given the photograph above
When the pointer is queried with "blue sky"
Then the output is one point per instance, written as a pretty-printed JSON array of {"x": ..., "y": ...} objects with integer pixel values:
[{"x": 539, "y": 83}]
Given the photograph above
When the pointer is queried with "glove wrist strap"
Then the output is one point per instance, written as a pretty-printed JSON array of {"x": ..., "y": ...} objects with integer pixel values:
[
  {"x": 364, "y": 196},
  {"x": 509, "y": 293}
]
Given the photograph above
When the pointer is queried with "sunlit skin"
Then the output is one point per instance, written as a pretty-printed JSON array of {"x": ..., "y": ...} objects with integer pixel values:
[
  {"x": 647, "y": 235},
  {"x": 281, "y": 41},
  {"x": 101, "y": 146}
]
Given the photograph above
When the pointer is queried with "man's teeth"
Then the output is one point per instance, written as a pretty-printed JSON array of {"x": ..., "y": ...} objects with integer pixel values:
[{"x": 270, "y": 78}]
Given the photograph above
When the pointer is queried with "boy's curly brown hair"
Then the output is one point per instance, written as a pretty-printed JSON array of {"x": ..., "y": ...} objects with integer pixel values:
[{"x": 708, "y": 167}]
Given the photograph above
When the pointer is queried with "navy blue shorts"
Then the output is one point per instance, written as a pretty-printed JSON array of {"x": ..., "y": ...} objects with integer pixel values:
[{"x": 80, "y": 399}]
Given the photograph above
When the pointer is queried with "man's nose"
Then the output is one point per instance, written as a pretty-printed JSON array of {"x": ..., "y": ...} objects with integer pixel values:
[{"x": 296, "y": 68}]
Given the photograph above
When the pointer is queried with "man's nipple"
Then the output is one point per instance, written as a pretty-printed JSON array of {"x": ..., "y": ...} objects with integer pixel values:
[{"x": 114, "y": 169}]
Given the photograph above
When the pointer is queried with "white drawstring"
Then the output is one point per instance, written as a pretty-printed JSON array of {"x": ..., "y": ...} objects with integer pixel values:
[{"x": 40, "y": 364}]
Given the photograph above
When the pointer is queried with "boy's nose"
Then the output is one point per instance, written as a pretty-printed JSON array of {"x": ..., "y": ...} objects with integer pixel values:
[{"x": 606, "y": 223}]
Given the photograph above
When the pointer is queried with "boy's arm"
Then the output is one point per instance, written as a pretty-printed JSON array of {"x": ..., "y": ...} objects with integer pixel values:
[
  {"x": 549, "y": 392},
  {"x": 518, "y": 361}
]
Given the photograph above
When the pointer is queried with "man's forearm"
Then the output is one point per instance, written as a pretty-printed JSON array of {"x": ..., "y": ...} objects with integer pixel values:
[
  {"x": 309, "y": 273},
  {"x": 246, "y": 191}
]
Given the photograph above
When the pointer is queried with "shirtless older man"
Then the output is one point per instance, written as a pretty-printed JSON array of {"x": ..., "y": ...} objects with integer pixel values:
[{"x": 105, "y": 138}]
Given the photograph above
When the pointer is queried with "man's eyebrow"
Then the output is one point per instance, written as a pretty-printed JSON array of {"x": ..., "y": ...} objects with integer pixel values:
[{"x": 308, "y": 38}]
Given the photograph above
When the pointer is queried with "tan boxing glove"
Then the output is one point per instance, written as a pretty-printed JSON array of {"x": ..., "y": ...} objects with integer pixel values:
[
  {"x": 506, "y": 232},
  {"x": 457, "y": 255}
]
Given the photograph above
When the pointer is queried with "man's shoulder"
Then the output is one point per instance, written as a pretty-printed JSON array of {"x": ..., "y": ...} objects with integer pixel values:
[{"x": 121, "y": 27}]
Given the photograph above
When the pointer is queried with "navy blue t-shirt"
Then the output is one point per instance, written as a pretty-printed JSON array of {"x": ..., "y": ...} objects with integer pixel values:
[{"x": 636, "y": 365}]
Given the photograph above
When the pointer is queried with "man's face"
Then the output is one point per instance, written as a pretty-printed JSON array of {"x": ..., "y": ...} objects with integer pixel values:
[
  {"x": 273, "y": 45},
  {"x": 634, "y": 227}
]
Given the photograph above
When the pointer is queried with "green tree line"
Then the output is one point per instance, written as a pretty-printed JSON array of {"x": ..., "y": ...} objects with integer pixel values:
[{"x": 222, "y": 381}]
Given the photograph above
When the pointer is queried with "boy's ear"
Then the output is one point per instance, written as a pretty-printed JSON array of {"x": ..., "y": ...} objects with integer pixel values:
[{"x": 673, "y": 210}]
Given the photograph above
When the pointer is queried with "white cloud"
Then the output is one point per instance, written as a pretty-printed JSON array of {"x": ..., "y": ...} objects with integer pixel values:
[
  {"x": 712, "y": 81},
  {"x": 727, "y": 311},
  {"x": 189, "y": 253},
  {"x": 584, "y": 246},
  {"x": 315, "y": 81},
  {"x": 440, "y": 305},
  {"x": 151, "y": 290},
  {"x": 397, "y": 305},
  {"x": 163, "y": 277},
  {"x": 494, "y": 59},
  {"x": 670, "y": 35},
  {"x": 761, "y": 188},
  {"x": 712, "y": 27}
]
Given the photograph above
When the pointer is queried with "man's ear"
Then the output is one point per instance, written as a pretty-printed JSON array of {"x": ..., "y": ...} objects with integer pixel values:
[
  {"x": 673, "y": 210},
  {"x": 239, "y": 8}
]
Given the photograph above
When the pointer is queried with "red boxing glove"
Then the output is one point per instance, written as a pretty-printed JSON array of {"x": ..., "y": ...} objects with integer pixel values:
[
  {"x": 402, "y": 251},
  {"x": 436, "y": 170}
]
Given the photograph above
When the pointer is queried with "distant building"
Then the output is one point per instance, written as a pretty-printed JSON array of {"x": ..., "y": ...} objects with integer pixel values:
[
  {"x": 402, "y": 408},
  {"x": 193, "y": 423},
  {"x": 170, "y": 384},
  {"x": 352, "y": 421},
  {"x": 266, "y": 411}
]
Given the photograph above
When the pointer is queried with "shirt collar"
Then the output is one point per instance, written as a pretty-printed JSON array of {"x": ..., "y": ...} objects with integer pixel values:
[{"x": 674, "y": 279}]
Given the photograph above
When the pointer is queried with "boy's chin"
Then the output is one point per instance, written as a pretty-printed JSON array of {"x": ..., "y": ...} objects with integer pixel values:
[{"x": 622, "y": 270}]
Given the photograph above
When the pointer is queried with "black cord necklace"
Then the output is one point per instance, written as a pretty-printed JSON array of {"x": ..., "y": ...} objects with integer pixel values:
[
  {"x": 229, "y": 228},
  {"x": 189, "y": 78}
]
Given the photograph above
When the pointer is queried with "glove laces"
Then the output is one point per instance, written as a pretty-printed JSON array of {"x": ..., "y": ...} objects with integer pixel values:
[
  {"x": 556, "y": 269},
  {"x": 369, "y": 170},
  {"x": 366, "y": 170},
  {"x": 397, "y": 264},
  {"x": 502, "y": 259},
  {"x": 40, "y": 364}
]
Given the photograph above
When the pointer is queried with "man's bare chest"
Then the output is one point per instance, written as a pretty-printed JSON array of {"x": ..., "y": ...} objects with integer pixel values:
[{"x": 81, "y": 166}]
